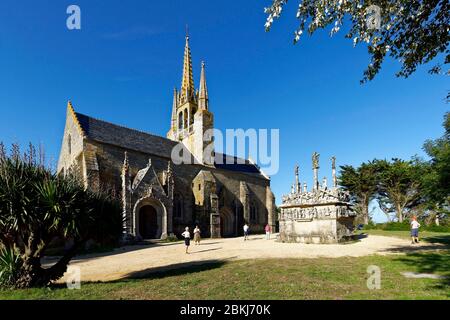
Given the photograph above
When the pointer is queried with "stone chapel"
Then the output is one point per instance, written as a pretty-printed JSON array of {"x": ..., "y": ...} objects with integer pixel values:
[{"x": 160, "y": 198}]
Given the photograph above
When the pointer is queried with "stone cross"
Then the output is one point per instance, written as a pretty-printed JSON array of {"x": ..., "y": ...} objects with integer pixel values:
[
  {"x": 315, "y": 163},
  {"x": 333, "y": 168},
  {"x": 298, "y": 188}
]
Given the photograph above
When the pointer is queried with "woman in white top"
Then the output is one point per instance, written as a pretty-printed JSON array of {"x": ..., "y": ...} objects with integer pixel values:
[
  {"x": 197, "y": 237},
  {"x": 415, "y": 230},
  {"x": 187, "y": 238},
  {"x": 246, "y": 227}
]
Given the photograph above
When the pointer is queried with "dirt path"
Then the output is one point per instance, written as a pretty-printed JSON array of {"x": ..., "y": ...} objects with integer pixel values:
[{"x": 130, "y": 261}]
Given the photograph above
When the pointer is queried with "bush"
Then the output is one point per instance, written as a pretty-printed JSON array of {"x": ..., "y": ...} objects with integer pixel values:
[
  {"x": 396, "y": 226},
  {"x": 435, "y": 228},
  {"x": 10, "y": 265},
  {"x": 370, "y": 226},
  {"x": 171, "y": 238},
  {"x": 404, "y": 226},
  {"x": 37, "y": 206}
]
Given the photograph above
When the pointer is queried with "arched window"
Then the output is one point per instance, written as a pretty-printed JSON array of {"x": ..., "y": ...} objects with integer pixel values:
[
  {"x": 69, "y": 144},
  {"x": 185, "y": 118},
  {"x": 191, "y": 120},
  {"x": 180, "y": 120}
]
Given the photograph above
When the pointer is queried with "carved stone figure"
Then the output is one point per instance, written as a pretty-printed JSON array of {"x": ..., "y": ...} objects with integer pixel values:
[
  {"x": 324, "y": 183},
  {"x": 333, "y": 171},
  {"x": 315, "y": 160}
]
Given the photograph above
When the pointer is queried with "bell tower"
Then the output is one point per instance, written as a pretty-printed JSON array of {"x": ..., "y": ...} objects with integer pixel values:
[{"x": 191, "y": 121}]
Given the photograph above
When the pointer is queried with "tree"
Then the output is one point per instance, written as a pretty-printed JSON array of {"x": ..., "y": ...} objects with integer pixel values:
[
  {"x": 37, "y": 206},
  {"x": 413, "y": 32},
  {"x": 436, "y": 181},
  {"x": 399, "y": 186},
  {"x": 361, "y": 183}
]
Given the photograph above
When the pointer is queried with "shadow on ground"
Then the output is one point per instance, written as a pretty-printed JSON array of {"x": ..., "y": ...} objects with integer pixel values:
[
  {"x": 177, "y": 269},
  {"x": 416, "y": 248},
  {"x": 206, "y": 250},
  {"x": 250, "y": 238},
  {"x": 353, "y": 238},
  {"x": 434, "y": 263},
  {"x": 360, "y": 236},
  {"x": 444, "y": 239},
  {"x": 49, "y": 260}
]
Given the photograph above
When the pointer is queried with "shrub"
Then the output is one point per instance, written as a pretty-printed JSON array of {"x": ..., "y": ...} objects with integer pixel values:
[
  {"x": 396, "y": 226},
  {"x": 10, "y": 265},
  {"x": 404, "y": 226},
  {"x": 370, "y": 226},
  {"x": 435, "y": 228},
  {"x": 172, "y": 238},
  {"x": 37, "y": 206}
]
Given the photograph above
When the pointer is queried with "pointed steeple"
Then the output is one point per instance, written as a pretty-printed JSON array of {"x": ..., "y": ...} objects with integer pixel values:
[
  {"x": 203, "y": 94},
  {"x": 187, "y": 83},
  {"x": 174, "y": 108}
]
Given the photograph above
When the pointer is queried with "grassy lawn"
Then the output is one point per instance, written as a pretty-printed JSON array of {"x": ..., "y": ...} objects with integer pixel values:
[
  {"x": 324, "y": 278},
  {"x": 426, "y": 236}
]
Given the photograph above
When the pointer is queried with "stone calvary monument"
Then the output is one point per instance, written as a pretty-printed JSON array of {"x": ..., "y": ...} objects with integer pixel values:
[{"x": 322, "y": 215}]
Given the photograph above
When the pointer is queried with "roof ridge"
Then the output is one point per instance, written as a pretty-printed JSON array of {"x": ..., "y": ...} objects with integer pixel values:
[
  {"x": 125, "y": 127},
  {"x": 75, "y": 117}
]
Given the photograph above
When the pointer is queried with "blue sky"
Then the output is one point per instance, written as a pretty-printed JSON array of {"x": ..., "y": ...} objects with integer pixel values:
[{"x": 123, "y": 64}]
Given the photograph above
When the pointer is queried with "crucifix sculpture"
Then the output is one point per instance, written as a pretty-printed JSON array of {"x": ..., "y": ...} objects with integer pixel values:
[{"x": 315, "y": 165}]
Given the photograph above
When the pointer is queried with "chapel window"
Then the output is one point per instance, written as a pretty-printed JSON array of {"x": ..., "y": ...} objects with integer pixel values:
[
  {"x": 180, "y": 120},
  {"x": 185, "y": 120}
]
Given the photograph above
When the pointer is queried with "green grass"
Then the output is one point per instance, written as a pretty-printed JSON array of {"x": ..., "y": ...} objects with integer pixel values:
[
  {"x": 426, "y": 236},
  {"x": 324, "y": 278}
]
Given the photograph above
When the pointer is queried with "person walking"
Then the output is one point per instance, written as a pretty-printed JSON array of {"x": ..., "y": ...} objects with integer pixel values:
[
  {"x": 267, "y": 229},
  {"x": 197, "y": 237},
  {"x": 415, "y": 230},
  {"x": 246, "y": 228},
  {"x": 187, "y": 238}
]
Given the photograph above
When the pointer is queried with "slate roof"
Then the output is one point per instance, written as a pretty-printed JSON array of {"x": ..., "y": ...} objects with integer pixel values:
[
  {"x": 106, "y": 132},
  {"x": 226, "y": 162}
]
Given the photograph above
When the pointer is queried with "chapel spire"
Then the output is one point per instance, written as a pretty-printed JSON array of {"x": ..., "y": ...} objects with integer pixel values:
[
  {"x": 174, "y": 108},
  {"x": 203, "y": 94},
  {"x": 187, "y": 83}
]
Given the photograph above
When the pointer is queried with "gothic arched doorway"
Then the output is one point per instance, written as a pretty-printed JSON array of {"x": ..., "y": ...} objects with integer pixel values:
[
  {"x": 148, "y": 222},
  {"x": 227, "y": 222},
  {"x": 150, "y": 219}
]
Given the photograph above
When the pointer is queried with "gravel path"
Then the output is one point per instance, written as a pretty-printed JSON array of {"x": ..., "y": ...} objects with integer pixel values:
[{"x": 133, "y": 260}]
